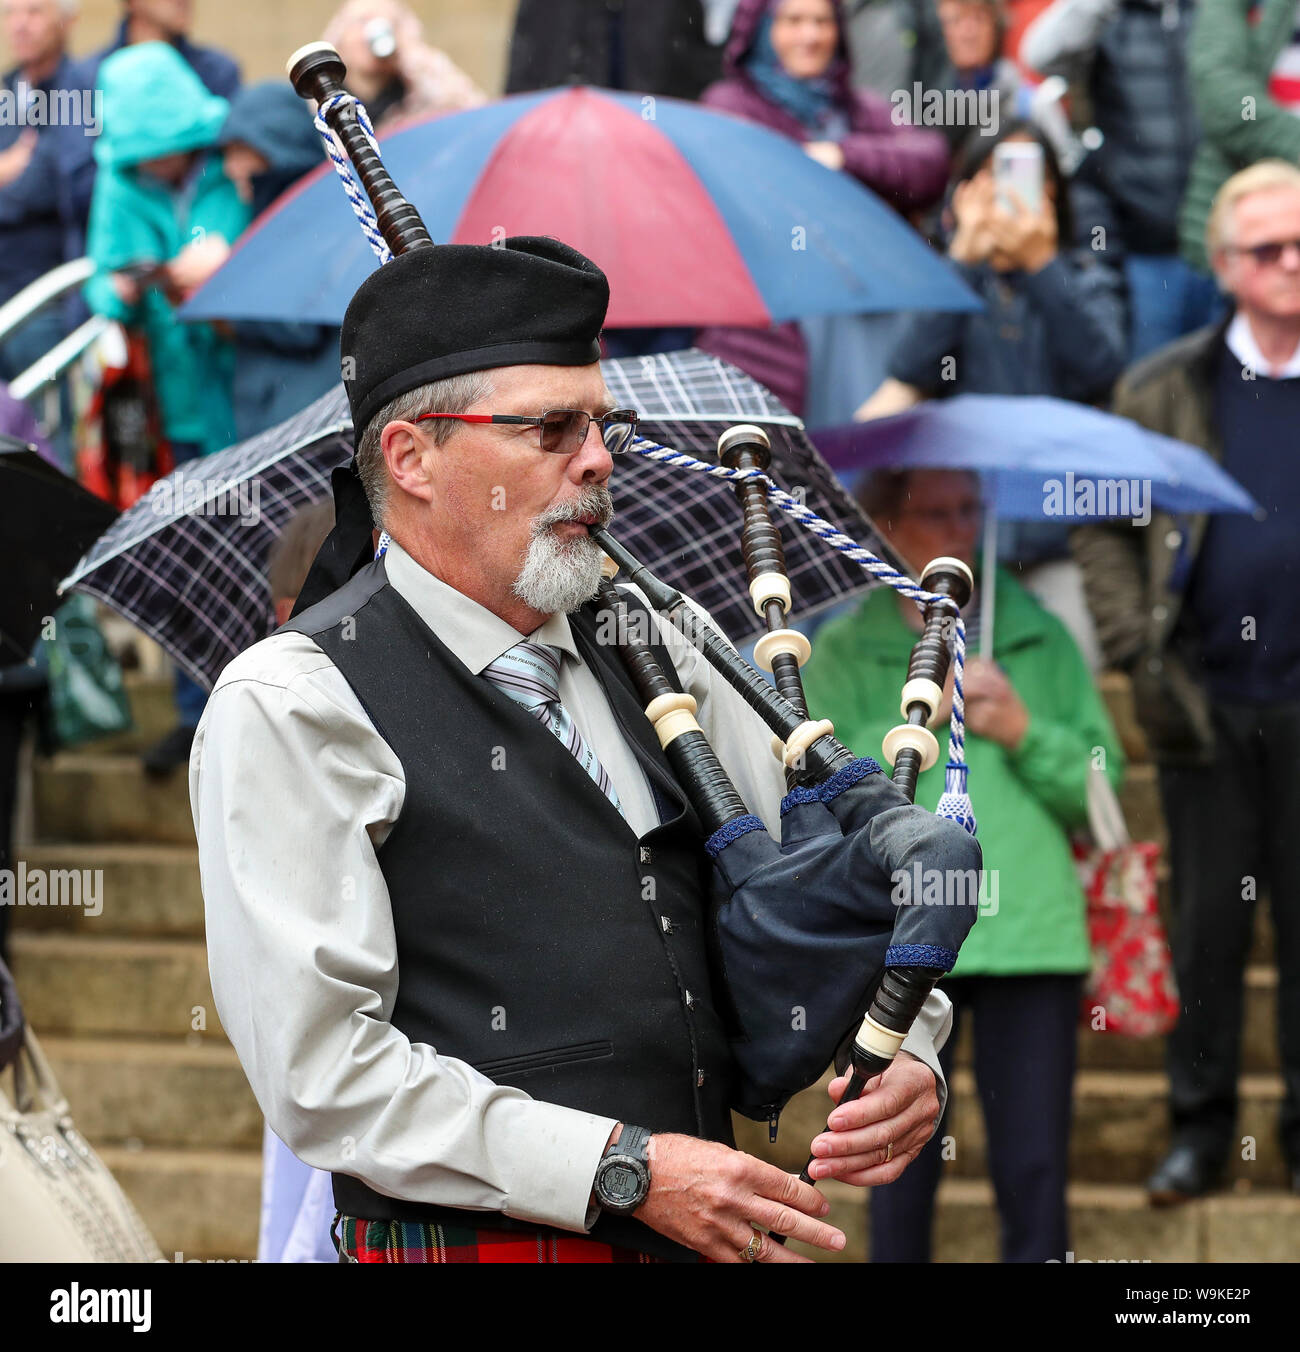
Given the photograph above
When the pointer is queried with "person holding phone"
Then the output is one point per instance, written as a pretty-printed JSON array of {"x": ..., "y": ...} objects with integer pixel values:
[
  {"x": 1053, "y": 322},
  {"x": 392, "y": 69}
]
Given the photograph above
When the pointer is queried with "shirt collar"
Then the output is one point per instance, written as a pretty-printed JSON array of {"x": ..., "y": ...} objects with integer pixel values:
[
  {"x": 1241, "y": 343},
  {"x": 472, "y": 632}
]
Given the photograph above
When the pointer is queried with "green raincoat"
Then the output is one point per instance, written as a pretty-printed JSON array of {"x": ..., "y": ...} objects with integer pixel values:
[
  {"x": 155, "y": 105},
  {"x": 1032, "y": 915}
]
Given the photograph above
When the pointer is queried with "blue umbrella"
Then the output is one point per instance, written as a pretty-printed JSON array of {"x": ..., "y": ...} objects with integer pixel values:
[
  {"x": 1029, "y": 444},
  {"x": 1042, "y": 459},
  {"x": 697, "y": 217}
]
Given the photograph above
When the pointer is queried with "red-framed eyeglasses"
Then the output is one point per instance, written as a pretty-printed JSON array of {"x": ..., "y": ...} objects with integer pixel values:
[{"x": 563, "y": 430}]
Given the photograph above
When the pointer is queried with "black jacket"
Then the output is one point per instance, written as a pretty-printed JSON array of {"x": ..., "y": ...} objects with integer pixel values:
[{"x": 657, "y": 48}]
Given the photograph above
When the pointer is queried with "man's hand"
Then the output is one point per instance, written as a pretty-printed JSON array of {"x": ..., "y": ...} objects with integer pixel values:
[
  {"x": 828, "y": 153},
  {"x": 898, "y": 1109},
  {"x": 709, "y": 1197},
  {"x": 196, "y": 262},
  {"x": 972, "y": 208},
  {"x": 1026, "y": 237},
  {"x": 14, "y": 161},
  {"x": 125, "y": 287}
]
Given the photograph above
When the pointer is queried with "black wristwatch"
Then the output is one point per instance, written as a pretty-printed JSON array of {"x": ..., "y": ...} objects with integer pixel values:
[{"x": 623, "y": 1174}]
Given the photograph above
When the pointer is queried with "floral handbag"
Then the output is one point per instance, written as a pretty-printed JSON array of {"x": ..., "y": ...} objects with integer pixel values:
[{"x": 1130, "y": 989}]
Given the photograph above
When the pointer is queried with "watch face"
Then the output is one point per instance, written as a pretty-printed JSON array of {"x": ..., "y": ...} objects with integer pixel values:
[{"x": 622, "y": 1183}]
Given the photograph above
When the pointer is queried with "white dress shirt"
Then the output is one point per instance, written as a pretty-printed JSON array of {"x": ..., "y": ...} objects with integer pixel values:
[
  {"x": 293, "y": 791},
  {"x": 1240, "y": 340}
]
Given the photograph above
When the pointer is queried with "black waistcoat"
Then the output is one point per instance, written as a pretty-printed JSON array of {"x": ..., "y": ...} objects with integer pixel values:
[{"x": 538, "y": 938}]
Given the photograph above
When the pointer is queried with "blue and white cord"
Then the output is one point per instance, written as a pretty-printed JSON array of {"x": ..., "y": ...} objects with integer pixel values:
[
  {"x": 360, "y": 204},
  {"x": 955, "y": 803}
]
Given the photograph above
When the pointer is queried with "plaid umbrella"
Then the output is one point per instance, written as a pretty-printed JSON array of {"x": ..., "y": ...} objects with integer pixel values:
[{"x": 187, "y": 564}]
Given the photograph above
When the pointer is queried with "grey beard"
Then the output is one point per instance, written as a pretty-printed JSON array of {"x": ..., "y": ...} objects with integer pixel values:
[{"x": 560, "y": 574}]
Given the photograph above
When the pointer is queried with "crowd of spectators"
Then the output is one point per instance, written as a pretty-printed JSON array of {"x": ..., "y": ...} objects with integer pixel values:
[{"x": 1157, "y": 272}]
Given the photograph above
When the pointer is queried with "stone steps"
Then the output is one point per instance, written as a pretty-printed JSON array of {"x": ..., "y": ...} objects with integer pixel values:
[
  {"x": 1108, "y": 1224},
  {"x": 153, "y": 714},
  {"x": 82, "y": 984},
  {"x": 145, "y": 890},
  {"x": 164, "y": 1092},
  {"x": 1121, "y": 1129},
  {"x": 80, "y": 796},
  {"x": 198, "y": 1203}
]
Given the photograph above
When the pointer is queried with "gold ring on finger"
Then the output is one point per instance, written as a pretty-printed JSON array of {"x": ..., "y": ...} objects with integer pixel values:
[
  {"x": 749, "y": 1254},
  {"x": 889, "y": 1152}
]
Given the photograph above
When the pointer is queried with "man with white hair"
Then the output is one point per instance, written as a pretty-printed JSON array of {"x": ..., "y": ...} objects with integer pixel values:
[
  {"x": 1204, "y": 612},
  {"x": 456, "y": 899}
]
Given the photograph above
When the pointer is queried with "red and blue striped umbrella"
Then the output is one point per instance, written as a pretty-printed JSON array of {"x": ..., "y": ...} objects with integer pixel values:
[{"x": 696, "y": 216}]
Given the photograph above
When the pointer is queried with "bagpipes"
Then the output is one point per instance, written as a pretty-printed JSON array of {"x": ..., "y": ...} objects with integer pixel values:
[{"x": 809, "y": 934}]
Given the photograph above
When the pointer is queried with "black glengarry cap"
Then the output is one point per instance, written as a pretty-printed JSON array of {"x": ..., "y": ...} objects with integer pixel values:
[{"x": 444, "y": 311}]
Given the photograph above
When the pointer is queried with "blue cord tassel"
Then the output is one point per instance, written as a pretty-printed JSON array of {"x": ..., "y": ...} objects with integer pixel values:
[{"x": 955, "y": 804}]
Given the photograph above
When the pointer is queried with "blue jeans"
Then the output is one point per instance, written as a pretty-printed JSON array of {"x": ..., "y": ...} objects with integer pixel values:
[
  {"x": 191, "y": 699},
  {"x": 1167, "y": 298}
]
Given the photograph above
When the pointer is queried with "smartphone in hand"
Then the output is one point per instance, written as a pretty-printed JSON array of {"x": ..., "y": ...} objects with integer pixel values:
[{"x": 1018, "y": 172}]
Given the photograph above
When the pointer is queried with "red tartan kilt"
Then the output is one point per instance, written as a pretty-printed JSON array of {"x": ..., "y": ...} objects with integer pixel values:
[{"x": 365, "y": 1241}]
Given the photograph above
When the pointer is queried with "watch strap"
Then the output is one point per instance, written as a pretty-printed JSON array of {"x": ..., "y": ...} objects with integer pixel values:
[{"x": 634, "y": 1141}]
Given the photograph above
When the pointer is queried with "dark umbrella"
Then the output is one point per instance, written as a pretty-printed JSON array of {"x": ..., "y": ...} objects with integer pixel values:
[
  {"x": 47, "y": 521},
  {"x": 195, "y": 580}
]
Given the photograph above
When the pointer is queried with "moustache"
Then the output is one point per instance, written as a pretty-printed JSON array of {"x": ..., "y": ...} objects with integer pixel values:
[{"x": 594, "y": 506}]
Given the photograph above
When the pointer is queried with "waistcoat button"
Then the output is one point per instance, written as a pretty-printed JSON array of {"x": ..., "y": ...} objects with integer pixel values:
[
  {"x": 645, "y": 854},
  {"x": 666, "y": 923}
]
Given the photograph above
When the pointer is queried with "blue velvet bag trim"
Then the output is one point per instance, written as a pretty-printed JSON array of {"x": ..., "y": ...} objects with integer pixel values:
[
  {"x": 834, "y": 786},
  {"x": 799, "y": 795},
  {"x": 920, "y": 955},
  {"x": 848, "y": 777},
  {"x": 732, "y": 831}
]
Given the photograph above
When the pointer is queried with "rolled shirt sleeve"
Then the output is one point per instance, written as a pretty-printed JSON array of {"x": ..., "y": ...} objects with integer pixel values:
[{"x": 292, "y": 791}]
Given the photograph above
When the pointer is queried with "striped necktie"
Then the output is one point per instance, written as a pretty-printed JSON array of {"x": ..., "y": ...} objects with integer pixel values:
[{"x": 530, "y": 674}]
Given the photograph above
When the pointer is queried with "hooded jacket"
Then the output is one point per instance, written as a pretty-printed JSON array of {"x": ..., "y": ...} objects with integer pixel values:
[
  {"x": 154, "y": 106},
  {"x": 279, "y": 368},
  {"x": 907, "y": 166}
]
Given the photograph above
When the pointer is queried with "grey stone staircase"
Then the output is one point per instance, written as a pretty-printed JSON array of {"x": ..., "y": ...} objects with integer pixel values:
[
  {"x": 123, "y": 1005},
  {"x": 122, "y": 1002}
]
